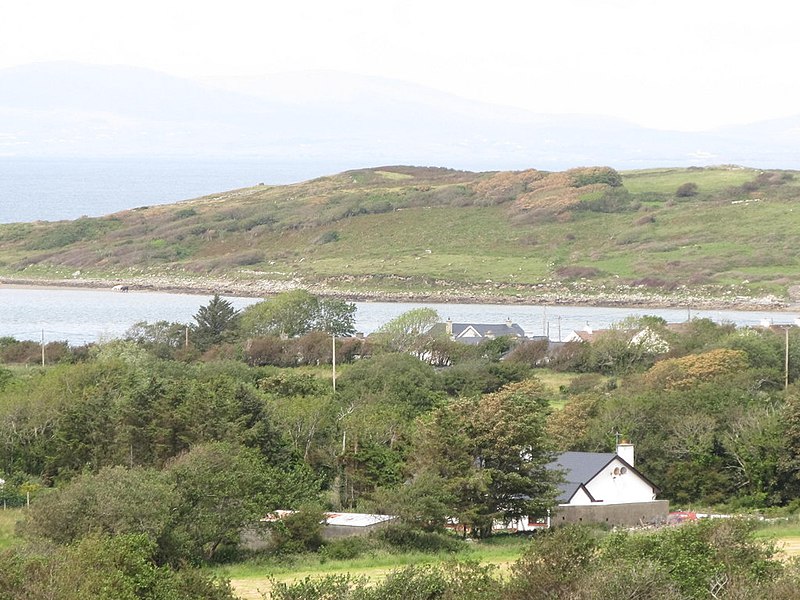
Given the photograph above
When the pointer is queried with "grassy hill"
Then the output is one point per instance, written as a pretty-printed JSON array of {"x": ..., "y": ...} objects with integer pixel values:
[{"x": 583, "y": 234}]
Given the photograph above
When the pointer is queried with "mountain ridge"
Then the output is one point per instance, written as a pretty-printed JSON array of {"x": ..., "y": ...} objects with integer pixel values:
[{"x": 70, "y": 109}]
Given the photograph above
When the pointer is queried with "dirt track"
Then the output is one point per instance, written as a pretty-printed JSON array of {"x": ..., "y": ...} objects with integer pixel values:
[{"x": 790, "y": 546}]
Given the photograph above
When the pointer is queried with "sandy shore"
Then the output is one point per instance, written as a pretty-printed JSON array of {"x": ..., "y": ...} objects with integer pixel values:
[{"x": 260, "y": 288}]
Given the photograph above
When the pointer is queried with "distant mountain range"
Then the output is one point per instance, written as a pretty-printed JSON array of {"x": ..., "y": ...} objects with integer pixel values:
[{"x": 68, "y": 109}]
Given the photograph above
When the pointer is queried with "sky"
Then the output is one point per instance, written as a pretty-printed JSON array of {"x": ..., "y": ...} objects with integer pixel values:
[{"x": 683, "y": 65}]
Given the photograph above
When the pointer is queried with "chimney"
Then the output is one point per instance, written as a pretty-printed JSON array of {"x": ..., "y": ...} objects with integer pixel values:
[
  {"x": 625, "y": 452},
  {"x": 509, "y": 323},
  {"x": 448, "y": 326},
  {"x": 588, "y": 329}
]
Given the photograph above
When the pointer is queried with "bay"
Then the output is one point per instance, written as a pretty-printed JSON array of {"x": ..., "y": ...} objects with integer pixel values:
[
  {"x": 81, "y": 316},
  {"x": 53, "y": 189}
]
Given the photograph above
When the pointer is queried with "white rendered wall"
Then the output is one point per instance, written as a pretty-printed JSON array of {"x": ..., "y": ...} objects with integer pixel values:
[{"x": 619, "y": 489}]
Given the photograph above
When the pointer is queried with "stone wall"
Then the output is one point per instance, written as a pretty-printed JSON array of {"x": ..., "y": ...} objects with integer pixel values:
[{"x": 628, "y": 515}]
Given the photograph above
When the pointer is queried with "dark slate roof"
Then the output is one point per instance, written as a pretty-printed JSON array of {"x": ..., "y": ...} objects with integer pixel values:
[
  {"x": 489, "y": 330},
  {"x": 578, "y": 468}
]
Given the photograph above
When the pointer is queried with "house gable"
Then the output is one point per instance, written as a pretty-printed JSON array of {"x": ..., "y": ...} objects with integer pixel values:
[
  {"x": 473, "y": 333},
  {"x": 605, "y": 478},
  {"x": 619, "y": 483},
  {"x": 468, "y": 331}
]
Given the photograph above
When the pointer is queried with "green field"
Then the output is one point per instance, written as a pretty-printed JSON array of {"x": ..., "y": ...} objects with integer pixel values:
[
  {"x": 251, "y": 579},
  {"x": 8, "y": 521}
]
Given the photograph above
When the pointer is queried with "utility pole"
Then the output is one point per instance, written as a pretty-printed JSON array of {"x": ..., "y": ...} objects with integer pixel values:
[
  {"x": 42, "y": 347},
  {"x": 786, "y": 359},
  {"x": 186, "y": 338},
  {"x": 333, "y": 361}
]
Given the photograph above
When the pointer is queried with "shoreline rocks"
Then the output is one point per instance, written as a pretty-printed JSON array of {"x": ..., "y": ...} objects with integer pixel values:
[{"x": 535, "y": 295}]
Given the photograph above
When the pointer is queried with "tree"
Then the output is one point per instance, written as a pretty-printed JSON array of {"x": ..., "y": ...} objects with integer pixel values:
[
  {"x": 408, "y": 332},
  {"x": 688, "y": 371},
  {"x": 336, "y": 317},
  {"x": 115, "y": 501},
  {"x": 296, "y": 313},
  {"x": 491, "y": 453},
  {"x": 162, "y": 337},
  {"x": 214, "y": 322},
  {"x": 221, "y": 488}
]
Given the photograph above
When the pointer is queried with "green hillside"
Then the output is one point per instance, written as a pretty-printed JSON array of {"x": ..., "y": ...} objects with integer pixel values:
[{"x": 731, "y": 232}]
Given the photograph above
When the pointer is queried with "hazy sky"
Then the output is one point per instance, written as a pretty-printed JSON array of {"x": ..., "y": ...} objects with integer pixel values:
[{"x": 670, "y": 64}]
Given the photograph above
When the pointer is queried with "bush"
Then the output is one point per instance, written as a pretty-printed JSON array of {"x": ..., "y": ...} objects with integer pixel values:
[
  {"x": 406, "y": 537},
  {"x": 595, "y": 175},
  {"x": 615, "y": 200},
  {"x": 577, "y": 272},
  {"x": 119, "y": 567},
  {"x": 530, "y": 353},
  {"x": 345, "y": 548},
  {"x": 300, "y": 531},
  {"x": 327, "y": 237},
  {"x": 687, "y": 190},
  {"x": 454, "y": 581}
]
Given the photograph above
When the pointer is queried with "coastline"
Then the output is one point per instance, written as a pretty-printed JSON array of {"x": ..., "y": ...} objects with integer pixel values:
[{"x": 266, "y": 288}]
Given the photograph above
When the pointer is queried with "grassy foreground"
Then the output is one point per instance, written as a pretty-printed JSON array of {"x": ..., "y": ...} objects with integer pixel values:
[
  {"x": 252, "y": 579},
  {"x": 8, "y": 521}
]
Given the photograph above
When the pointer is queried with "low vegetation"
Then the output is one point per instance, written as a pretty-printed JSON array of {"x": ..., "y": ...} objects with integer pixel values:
[{"x": 672, "y": 234}]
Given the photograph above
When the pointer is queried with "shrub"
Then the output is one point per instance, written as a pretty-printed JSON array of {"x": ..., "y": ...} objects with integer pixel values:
[
  {"x": 645, "y": 220},
  {"x": 615, "y": 200},
  {"x": 594, "y": 175},
  {"x": 406, "y": 537},
  {"x": 346, "y": 548},
  {"x": 327, "y": 237},
  {"x": 269, "y": 350},
  {"x": 300, "y": 531},
  {"x": 185, "y": 213},
  {"x": 531, "y": 353},
  {"x": 686, "y": 190},
  {"x": 577, "y": 272}
]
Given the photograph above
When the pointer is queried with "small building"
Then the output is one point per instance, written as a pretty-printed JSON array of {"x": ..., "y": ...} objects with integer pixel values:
[
  {"x": 605, "y": 487},
  {"x": 336, "y": 525},
  {"x": 339, "y": 525}
]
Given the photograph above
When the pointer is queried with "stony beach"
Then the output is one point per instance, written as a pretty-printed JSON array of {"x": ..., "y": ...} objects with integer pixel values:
[{"x": 565, "y": 295}]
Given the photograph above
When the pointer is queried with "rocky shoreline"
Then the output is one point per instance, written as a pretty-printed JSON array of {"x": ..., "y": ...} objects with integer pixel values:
[{"x": 540, "y": 295}]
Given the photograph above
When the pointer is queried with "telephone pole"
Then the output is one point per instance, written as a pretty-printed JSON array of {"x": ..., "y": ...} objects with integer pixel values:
[
  {"x": 333, "y": 361},
  {"x": 786, "y": 359},
  {"x": 42, "y": 347}
]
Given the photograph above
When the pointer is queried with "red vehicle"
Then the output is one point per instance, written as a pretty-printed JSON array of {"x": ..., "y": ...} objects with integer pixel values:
[{"x": 681, "y": 516}]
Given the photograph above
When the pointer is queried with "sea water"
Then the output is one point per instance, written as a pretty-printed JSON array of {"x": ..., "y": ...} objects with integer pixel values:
[
  {"x": 51, "y": 189},
  {"x": 82, "y": 316}
]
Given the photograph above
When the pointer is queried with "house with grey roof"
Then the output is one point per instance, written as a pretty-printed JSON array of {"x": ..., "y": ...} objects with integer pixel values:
[
  {"x": 605, "y": 487},
  {"x": 475, "y": 333}
]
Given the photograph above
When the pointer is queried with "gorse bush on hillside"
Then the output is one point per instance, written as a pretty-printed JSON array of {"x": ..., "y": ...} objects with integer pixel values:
[{"x": 594, "y": 175}]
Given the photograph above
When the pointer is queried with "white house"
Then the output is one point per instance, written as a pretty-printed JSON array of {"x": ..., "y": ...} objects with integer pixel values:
[
  {"x": 606, "y": 487},
  {"x": 602, "y": 477}
]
